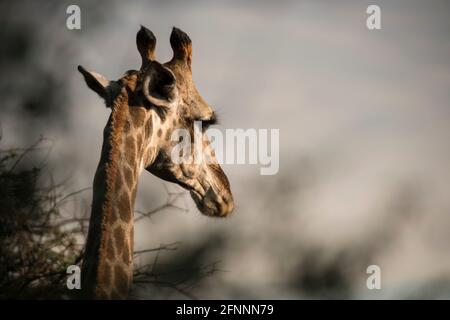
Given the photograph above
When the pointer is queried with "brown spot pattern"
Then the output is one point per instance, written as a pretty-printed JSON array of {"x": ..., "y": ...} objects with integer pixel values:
[
  {"x": 126, "y": 253},
  {"x": 121, "y": 279},
  {"x": 128, "y": 173},
  {"x": 105, "y": 276},
  {"x": 126, "y": 127},
  {"x": 137, "y": 117},
  {"x": 119, "y": 239},
  {"x": 101, "y": 294},
  {"x": 124, "y": 208},
  {"x": 148, "y": 129},
  {"x": 110, "y": 253},
  {"x": 130, "y": 150},
  {"x": 118, "y": 183},
  {"x": 116, "y": 295}
]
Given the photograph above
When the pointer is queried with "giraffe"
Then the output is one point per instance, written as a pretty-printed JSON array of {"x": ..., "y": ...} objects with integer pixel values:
[{"x": 147, "y": 105}]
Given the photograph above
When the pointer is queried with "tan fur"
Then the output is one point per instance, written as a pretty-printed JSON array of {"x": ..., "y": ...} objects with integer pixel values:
[{"x": 137, "y": 136}]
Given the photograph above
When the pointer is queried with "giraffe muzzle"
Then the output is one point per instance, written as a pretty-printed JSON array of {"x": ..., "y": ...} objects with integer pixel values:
[{"x": 214, "y": 204}]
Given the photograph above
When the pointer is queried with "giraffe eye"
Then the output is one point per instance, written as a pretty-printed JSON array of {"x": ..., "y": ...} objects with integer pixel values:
[{"x": 209, "y": 122}]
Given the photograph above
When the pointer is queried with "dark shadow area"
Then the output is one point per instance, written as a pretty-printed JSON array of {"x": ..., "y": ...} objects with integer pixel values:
[{"x": 180, "y": 272}]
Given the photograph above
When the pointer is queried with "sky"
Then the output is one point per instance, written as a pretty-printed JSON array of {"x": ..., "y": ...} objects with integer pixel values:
[{"x": 364, "y": 129}]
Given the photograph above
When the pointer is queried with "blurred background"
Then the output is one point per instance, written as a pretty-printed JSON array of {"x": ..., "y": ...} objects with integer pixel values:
[{"x": 364, "y": 136}]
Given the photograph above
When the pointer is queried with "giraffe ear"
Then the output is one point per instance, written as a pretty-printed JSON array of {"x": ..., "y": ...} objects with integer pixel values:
[
  {"x": 95, "y": 82},
  {"x": 159, "y": 85}
]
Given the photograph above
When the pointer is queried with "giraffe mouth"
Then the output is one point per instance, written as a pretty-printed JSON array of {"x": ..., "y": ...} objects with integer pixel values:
[{"x": 213, "y": 205}]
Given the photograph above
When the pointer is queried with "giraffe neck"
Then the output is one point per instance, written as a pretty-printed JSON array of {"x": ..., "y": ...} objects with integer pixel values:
[{"x": 107, "y": 270}]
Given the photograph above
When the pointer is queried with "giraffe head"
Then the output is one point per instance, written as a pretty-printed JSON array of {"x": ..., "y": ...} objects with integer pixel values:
[{"x": 162, "y": 99}]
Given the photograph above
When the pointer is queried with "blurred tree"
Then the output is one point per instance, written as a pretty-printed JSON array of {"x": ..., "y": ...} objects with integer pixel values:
[
  {"x": 35, "y": 246},
  {"x": 39, "y": 240}
]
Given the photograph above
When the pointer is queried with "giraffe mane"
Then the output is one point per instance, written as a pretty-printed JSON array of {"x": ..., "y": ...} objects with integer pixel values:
[{"x": 118, "y": 118}]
